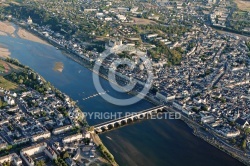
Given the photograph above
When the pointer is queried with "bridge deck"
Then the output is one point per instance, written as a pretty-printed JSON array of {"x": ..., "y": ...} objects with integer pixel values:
[{"x": 132, "y": 114}]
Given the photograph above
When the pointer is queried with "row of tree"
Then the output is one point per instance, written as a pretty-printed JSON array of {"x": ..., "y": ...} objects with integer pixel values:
[
  {"x": 29, "y": 80},
  {"x": 106, "y": 153}
]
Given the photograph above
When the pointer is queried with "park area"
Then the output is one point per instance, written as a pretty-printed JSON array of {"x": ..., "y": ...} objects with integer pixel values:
[
  {"x": 142, "y": 21},
  {"x": 5, "y": 84},
  {"x": 5, "y": 69}
]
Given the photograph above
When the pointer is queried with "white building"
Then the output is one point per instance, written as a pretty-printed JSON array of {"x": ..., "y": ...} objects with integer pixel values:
[
  {"x": 3, "y": 143},
  {"x": 35, "y": 149},
  {"x": 29, "y": 20},
  {"x": 121, "y": 17},
  {"x": 108, "y": 18},
  {"x": 149, "y": 36},
  {"x": 9, "y": 100},
  {"x": 208, "y": 119},
  {"x": 164, "y": 96},
  {"x": 178, "y": 105},
  {"x": 99, "y": 15},
  {"x": 37, "y": 137},
  {"x": 51, "y": 153},
  {"x": 62, "y": 129},
  {"x": 89, "y": 10},
  {"x": 13, "y": 157},
  {"x": 230, "y": 133},
  {"x": 72, "y": 138},
  {"x": 188, "y": 112}
]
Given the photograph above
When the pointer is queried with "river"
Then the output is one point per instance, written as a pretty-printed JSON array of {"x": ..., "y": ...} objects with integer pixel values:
[{"x": 146, "y": 143}]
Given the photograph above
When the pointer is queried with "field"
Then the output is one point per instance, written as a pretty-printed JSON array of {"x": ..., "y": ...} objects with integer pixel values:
[
  {"x": 7, "y": 28},
  {"x": 29, "y": 36},
  {"x": 5, "y": 84},
  {"x": 243, "y": 5},
  {"x": 142, "y": 21},
  {"x": 2, "y": 68},
  {"x": 5, "y": 69}
]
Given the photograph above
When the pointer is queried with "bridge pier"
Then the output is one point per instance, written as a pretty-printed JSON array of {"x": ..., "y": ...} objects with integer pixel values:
[
  {"x": 105, "y": 127},
  {"x": 98, "y": 130},
  {"x": 119, "y": 123}
]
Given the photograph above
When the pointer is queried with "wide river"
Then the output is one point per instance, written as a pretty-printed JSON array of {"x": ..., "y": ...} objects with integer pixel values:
[{"x": 147, "y": 143}]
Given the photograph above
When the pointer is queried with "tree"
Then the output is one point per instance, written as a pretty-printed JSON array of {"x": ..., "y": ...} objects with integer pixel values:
[
  {"x": 204, "y": 108},
  {"x": 247, "y": 130},
  {"x": 43, "y": 113},
  {"x": 233, "y": 141},
  {"x": 33, "y": 76},
  {"x": 40, "y": 163},
  {"x": 195, "y": 109},
  {"x": 91, "y": 128},
  {"x": 6, "y": 163},
  {"x": 86, "y": 141},
  {"x": 20, "y": 81},
  {"x": 65, "y": 155},
  {"x": 244, "y": 144},
  {"x": 248, "y": 44}
]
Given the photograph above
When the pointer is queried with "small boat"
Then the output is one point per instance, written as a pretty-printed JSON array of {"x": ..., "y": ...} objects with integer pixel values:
[{"x": 109, "y": 138}]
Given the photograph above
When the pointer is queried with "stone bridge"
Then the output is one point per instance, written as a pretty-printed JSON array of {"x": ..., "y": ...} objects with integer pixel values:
[{"x": 99, "y": 128}]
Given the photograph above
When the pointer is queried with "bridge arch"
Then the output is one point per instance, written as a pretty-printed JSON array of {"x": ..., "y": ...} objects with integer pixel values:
[
  {"x": 117, "y": 124},
  {"x": 110, "y": 125}
]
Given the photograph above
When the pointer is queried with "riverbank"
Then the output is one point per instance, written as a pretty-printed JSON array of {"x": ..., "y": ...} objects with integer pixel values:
[
  {"x": 104, "y": 151},
  {"x": 6, "y": 28},
  {"x": 22, "y": 33},
  {"x": 4, "y": 52},
  {"x": 3, "y": 33},
  {"x": 211, "y": 138}
]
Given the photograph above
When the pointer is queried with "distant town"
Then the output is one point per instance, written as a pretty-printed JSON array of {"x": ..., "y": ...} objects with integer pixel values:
[{"x": 200, "y": 57}]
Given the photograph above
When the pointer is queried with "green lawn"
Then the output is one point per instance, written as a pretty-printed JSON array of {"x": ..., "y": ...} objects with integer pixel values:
[
  {"x": 7, "y": 84},
  {"x": 2, "y": 69}
]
